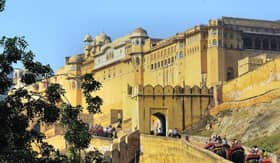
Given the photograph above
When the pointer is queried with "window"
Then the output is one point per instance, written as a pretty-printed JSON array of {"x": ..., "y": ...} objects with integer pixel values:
[
  {"x": 231, "y": 36},
  {"x": 248, "y": 44},
  {"x": 152, "y": 66},
  {"x": 137, "y": 61},
  {"x": 258, "y": 43},
  {"x": 265, "y": 44},
  {"x": 230, "y": 73},
  {"x": 181, "y": 55},
  {"x": 225, "y": 45},
  {"x": 220, "y": 43},
  {"x": 213, "y": 32},
  {"x": 214, "y": 42},
  {"x": 273, "y": 44}
]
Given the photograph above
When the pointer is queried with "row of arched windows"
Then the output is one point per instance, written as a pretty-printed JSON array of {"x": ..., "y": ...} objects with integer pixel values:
[{"x": 261, "y": 43}]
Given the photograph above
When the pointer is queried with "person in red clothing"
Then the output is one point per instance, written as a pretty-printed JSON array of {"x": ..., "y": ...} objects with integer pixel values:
[
  {"x": 265, "y": 158},
  {"x": 236, "y": 152},
  {"x": 253, "y": 156},
  {"x": 209, "y": 145}
]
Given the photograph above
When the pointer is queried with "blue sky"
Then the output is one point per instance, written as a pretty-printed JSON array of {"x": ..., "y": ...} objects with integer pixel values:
[{"x": 56, "y": 28}]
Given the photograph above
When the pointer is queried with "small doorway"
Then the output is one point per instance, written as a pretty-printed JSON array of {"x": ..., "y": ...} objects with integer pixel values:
[{"x": 158, "y": 124}]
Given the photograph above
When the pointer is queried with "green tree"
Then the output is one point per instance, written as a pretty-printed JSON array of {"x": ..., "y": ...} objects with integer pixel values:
[
  {"x": 2, "y": 5},
  {"x": 20, "y": 107},
  {"x": 76, "y": 131}
]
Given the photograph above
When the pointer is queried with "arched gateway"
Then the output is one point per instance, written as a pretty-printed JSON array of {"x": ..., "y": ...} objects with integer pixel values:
[{"x": 158, "y": 124}]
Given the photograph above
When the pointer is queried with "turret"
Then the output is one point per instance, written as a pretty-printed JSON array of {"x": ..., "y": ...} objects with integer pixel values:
[
  {"x": 138, "y": 37},
  {"x": 87, "y": 40},
  {"x": 101, "y": 40}
]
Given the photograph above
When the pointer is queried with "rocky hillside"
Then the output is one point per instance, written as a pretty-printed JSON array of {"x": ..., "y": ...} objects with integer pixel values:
[{"x": 259, "y": 124}]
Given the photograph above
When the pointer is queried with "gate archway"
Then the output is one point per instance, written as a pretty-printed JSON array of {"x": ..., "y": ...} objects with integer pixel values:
[{"x": 158, "y": 124}]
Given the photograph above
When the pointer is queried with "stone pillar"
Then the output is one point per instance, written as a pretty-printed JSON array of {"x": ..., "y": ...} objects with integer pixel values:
[
  {"x": 269, "y": 44},
  {"x": 261, "y": 39}
]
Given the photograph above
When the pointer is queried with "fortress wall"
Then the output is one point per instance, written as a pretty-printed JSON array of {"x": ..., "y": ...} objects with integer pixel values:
[
  {"x": 164, "y": 149},
  {"x": 260, "y": 81},
  {"x": 127, "y": 148},
  {"x": 182, "y": 107}
]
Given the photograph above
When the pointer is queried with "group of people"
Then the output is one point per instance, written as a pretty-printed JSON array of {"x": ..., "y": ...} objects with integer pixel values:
[
  {"x": 236, "y": 152},
  {"x": 171, "y": 133},
  {"x": 109, "y": 131},
  {"x": 174, "y": 133},
  {"x": 256, "y": 154},
  {"x": 158, "y": 132}
]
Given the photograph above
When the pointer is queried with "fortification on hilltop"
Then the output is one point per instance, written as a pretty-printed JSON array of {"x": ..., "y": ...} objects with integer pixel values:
[{"x": 165, "y": 82}]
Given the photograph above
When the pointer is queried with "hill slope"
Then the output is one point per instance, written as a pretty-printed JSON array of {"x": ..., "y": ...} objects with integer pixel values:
[{"x": 254, "y": 124}]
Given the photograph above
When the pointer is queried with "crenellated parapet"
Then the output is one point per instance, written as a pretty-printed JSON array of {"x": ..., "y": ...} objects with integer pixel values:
[{"x": 158, "y": 90}]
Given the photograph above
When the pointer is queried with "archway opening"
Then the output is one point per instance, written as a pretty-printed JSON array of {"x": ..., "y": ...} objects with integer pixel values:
[
  {"x": 230, "y": 73},
  {"x": 158, "y": 124}
]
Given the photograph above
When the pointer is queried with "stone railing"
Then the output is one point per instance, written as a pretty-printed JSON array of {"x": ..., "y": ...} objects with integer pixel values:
[{"x": 164, "y": 149}]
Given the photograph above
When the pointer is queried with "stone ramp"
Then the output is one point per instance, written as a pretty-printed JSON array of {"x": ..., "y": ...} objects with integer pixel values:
[{"x": 164, "y": 150}]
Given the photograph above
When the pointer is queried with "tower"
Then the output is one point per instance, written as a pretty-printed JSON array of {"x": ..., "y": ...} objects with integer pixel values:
[
  {"x": 87, "y": 48},
  {"x": 138, "y": 37}
]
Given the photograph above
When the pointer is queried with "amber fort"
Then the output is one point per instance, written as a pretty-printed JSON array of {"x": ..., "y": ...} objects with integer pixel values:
[{"x": 172, "y": 82}]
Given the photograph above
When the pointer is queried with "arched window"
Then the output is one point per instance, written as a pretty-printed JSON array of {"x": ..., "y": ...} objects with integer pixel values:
[
  {"x": 230, "y": 73},
  {"x": 258, "y": 43},
  {"x": 214, "y": 42},
  {"x": 73, "y": 85},
  {"x": 247, "y": 43},
  {"x": 273, "y": 44},
  {"x": 137, "y": 61},
  {"x": 265, "y": 44},
  {"x": 142, "y": 42}
]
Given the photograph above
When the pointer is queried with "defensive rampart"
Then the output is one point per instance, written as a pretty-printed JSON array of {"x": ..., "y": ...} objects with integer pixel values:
[
  {"x": 255, "y": 83},
  {"x": 255, "y": 87}
]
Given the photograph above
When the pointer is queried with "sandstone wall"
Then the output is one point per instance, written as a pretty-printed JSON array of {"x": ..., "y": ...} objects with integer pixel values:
[
  {"x": 182, "y": 107},
  {"x": 255, "y": 83},
  {"x": 164, "y": 149}
]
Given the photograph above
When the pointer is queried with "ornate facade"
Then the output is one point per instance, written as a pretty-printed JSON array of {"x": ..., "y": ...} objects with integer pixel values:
[{"x": 200, "y": 57}]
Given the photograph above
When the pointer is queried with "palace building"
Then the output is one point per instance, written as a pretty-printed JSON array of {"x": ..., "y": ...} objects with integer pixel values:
[{"x": 165, "y": 83}]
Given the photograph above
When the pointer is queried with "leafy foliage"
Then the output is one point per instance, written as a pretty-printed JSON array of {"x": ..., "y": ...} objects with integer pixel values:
[
  {"x": 95, "y": 156},
  {"x": 89, "y": 85},
  {"x": 2, "y": 5},
  {"x": 77, "y": 134},
  {"x": 20, "y": 107},
  {"x": 21, "y": 110}
]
